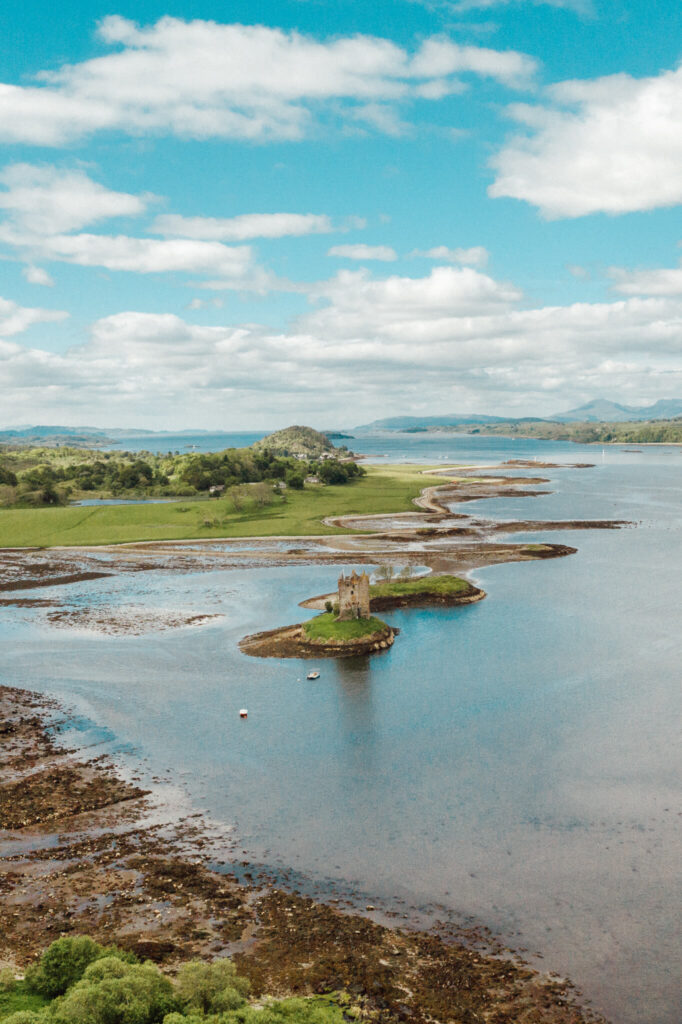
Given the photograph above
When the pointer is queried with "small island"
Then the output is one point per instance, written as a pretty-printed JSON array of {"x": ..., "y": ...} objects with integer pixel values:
[
  {"x": 347, "y": 627},
  {"x": 344, "y": 630}
]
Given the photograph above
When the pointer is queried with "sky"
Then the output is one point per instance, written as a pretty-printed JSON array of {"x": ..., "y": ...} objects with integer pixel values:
[{"x": 240, "y": 215}]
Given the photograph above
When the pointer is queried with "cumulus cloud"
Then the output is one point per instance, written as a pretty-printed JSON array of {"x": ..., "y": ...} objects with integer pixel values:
[
  {"x": 663, "y": 281},
  {"x": 201, "y": 79},
  {"x": 44, "y": 206},
  {"x": 609, "y": 145},
  {"x": 456, "y": 335},
  {"x": 359, "y": 303},
  {"x": 48, "y": 200},
  {"x": 37, "y": 275},
  {"x": 476, "y": 256},
  {"x": 15, "y": 319},
  {"x": 243, "y": 227},
  {"x": 364, "y": 252},
  {"x": 234, "y": 264}
]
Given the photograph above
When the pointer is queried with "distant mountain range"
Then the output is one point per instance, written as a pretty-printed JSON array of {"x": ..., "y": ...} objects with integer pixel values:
[
  {"x": 600, "y": 410},
  {"x": 92, "y": 437},
  {"x": 446, "y": 420},
  {"x": 603, "y": 411},
  {"x": 53, "y": 431}
]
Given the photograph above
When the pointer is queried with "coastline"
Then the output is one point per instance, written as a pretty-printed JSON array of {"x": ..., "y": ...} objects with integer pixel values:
[
  {"x": 284, "y": 941},
  {"x": 429, "y": 537},
  {"x": 103, "y": 857}
]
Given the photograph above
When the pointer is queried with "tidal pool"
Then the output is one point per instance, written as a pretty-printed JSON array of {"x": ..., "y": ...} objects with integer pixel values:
[{"x": 516, "y": 760}]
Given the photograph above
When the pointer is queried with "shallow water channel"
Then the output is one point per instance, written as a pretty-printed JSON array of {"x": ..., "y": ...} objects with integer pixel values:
[{"x": 516, "y": 760}]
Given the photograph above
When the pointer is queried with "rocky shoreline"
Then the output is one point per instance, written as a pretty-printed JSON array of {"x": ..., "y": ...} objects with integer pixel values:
[{"x": 84, "y": 851}]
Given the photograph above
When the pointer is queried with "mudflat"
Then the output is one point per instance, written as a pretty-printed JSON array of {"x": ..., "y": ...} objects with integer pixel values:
[{"x": 88, "y": 852}]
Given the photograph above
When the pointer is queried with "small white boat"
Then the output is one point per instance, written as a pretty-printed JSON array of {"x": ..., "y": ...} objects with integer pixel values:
[
  {"x": 313, "y": 675},
  {"x": 243, "y": 713}
]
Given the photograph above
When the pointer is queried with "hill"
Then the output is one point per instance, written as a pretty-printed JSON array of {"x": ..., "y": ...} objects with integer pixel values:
[
  {"x": 603, "y": 411},
  {"x": 296, "y": 440},
  {"x": 600, "y": 410},
  {"x": 418, "y": 422},
  {"x": 618, "y": 432},
  {"x": 50, "y": 436}
]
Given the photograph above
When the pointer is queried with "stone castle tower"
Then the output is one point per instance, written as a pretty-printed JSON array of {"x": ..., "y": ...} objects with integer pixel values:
[{"x": 354, "y": 596}]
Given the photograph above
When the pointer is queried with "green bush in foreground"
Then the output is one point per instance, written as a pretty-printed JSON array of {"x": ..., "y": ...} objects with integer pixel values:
[
  {"x": 110, "y": 987},
  {"x": 210, "y": 987},
  {"x": 65, "y": 961},
  {"x": 7, "y": 980},
  {"x": 284, "y": 1011},
  {"x": 114, "y": 992}
]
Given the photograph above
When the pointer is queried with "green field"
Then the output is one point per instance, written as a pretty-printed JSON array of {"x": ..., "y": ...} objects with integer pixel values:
[
  {"x": 383, "y": 489},
  {"x": 20, "y": 998},
  {"x": 422, "y": 585},
  {"x": 327, "y": 627}
]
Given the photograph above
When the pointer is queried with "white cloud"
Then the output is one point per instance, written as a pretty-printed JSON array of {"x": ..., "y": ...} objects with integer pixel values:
[
  {"x": 476, "y": 256},
  {"x": 197, "y": 303},
  {"x": 15, "y": 319},
  {"x": 364, "y": 252},
  {"x": 361, "y": 303},
  {"x": 200, "y": 79},
  {"x": 664, "y": 281},
  {"x": 44, "y": 203},
  {"x": 463, "y": 6},
  {"x": 245, "y": 226},
  {"x": 37, "y": 275},
  {"x": 610, "y": 145},
  {"x": 235, "y": 264},
  {"x": 456, "y": 336},
  {"x": 49, "y": 200}
]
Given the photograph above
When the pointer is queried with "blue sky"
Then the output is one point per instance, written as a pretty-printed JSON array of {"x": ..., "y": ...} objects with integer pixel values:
[{"x": 244, "y": 215}]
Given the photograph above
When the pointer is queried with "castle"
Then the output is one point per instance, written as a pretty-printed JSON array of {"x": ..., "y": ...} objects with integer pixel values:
[{"x": 354, "y": 596}]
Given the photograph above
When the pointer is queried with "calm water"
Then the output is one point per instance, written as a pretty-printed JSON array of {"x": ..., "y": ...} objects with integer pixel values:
[
  {"x": 516, "y": 760},
  {"x": 95, "y": 502},
  {"x": 185, "y": 442}
]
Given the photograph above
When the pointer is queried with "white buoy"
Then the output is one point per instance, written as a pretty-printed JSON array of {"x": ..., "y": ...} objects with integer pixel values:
[{"x": 243, "y": 713}]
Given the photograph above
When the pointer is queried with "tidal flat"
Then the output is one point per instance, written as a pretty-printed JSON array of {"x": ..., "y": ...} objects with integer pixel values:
[
  {"x": 86, "y": 852},
  {"x": 509, "y": 764}
]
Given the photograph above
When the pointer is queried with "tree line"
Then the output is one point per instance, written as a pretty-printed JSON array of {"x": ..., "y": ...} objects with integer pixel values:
[{"x": 55, "y": 476}]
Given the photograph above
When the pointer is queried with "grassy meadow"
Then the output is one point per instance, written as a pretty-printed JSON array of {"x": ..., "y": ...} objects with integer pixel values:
[
  {"x": 20, "y": 998},
  {"x": 383, "y": 489},
  {"x": 422, "y": 585},
  {"x": 328, "y": 627}
]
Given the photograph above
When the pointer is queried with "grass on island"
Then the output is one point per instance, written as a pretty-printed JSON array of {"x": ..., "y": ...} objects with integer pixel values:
[
  {"x": 327, "y": 627},
  {"x": 421, "y": 585},
  {"x": 384, "y": 489}
]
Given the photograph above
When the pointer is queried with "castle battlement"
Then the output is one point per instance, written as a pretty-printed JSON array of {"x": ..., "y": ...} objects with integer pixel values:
[{"x": 354, "y": 596}]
